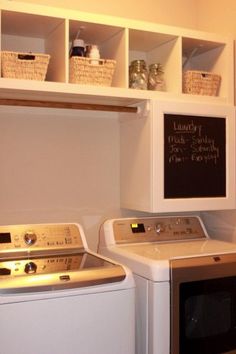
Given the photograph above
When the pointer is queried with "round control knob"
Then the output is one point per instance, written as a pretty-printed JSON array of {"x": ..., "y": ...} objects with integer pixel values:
[
  {"x": 30, "y": 268},
  {"x": 159, "y": 228},
  {"x": 30, "y": 238}
]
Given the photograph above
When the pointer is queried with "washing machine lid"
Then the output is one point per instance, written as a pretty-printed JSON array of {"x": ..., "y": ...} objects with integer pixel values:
[
  {"x": 152, "y": 260},
  {"x": 56, "y": 272},
  {"x": 165, "y": 251},
  {"x": 166, "y": 238},
  {"x": 44, "y": 257}
]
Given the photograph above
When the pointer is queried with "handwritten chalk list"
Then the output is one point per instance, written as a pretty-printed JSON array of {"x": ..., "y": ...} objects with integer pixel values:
[{"x": 194, "y": 156}]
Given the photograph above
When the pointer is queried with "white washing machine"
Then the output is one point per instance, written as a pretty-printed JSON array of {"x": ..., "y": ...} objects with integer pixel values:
[
  {"x": 185, "y": 283},
  {"x": 57, "y": 297}
]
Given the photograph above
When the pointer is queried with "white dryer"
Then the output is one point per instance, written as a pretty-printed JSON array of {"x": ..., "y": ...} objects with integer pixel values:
[
  {"x": 185, "y": 283},
  {"x": 57, "y": 297}
]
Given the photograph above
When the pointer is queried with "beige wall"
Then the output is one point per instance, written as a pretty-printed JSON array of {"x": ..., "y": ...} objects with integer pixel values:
[
  {"x": 217, "y": 16},
  {"x": 58, "y": 166},
  {"x": 171, "y": 12},
  {"x": 210, "y": 15}
]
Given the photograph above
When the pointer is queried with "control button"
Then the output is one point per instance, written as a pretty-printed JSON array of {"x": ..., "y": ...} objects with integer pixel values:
[
  {"x": 30, "y": 238},
  {"x": 178, "y": 221},
  {"x": 30, "y": 268},
  {"x": 159, "y": 228},
  {"x": 189, "y": 230},
  {"x": 68, "y": 241}
]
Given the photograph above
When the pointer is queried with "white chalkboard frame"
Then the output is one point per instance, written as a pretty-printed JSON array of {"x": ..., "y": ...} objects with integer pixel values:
[{"x": 160, "y": 110}]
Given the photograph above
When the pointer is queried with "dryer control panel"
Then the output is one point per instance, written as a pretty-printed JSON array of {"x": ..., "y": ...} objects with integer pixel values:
[
  {"x": 39, "y": 237},
  {"x": 158, "y": 229}
]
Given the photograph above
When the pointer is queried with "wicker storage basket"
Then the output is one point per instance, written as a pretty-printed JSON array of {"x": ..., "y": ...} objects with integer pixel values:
[
  {"x": 83, "y": 72},
  {"x": 27, "y": 66},
  {"x": 201, "y": 83}
]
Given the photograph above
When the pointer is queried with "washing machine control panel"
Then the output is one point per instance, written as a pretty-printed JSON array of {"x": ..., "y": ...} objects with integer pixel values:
[
  {"x": 158, "y": 229},
  {"x": 40, "y": 265},
  {"x": 40, "y": 237}
]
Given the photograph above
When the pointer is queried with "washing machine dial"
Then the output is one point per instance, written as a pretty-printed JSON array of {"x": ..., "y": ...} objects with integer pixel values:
[
  {"x": 30, "y": 238},
  {"x": 30, "y": 268},
  {"x": 159, "y": 227}
]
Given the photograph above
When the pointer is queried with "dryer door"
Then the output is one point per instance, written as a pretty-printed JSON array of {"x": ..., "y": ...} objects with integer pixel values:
[{"x": 203, "y": 305}]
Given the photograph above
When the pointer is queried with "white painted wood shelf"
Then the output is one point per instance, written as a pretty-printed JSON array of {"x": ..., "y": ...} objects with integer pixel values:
[{"x": 41, "y": 29}]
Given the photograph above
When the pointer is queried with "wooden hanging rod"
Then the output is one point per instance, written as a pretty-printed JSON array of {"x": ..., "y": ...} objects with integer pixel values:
[{"x": 67, "y": 105}]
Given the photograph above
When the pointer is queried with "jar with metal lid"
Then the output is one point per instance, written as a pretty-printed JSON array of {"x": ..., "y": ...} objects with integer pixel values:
[
  {"x": 138, "y": 75},
  {"x": 155, "y": 77}
]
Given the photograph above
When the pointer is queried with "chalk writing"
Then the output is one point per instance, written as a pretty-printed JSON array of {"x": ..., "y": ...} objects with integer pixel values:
[
  {"x": 196, "y": 147},
  {"x": 194, "y": 156},
  {"x": 187, "y": 128}
]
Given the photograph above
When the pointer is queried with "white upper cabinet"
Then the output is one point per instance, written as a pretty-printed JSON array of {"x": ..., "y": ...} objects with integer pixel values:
[
  {"x": 38, "y": 29},
  {"x": 179, "y": 157}
]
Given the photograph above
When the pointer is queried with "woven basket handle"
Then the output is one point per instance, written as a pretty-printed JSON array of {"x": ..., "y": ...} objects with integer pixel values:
[
  {"x": 26, "y": 57},
  {"x": 204, "y": 75},
  {"x": 99, "y": 61}
]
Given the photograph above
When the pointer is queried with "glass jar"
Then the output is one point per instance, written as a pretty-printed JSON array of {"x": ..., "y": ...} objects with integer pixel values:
[
  {"x": 155, "y": 77},
  {"x": 138, "y": 75}
]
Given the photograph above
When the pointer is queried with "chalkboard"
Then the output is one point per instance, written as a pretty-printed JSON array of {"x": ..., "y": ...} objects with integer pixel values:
[{"x": 194, "y": 156}]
